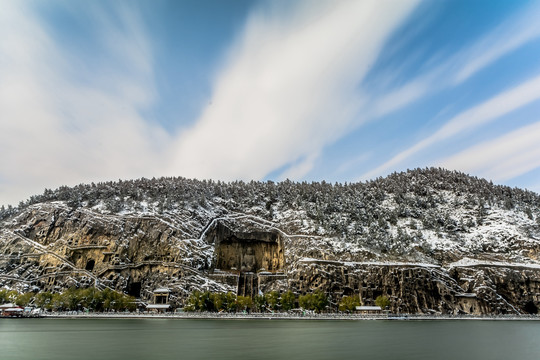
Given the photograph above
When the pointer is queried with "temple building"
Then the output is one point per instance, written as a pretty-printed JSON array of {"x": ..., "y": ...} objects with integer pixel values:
[{"x": 161, "y": 301}]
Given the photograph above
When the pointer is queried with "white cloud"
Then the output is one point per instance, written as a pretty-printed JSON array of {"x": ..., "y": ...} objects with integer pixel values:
[
  {"x": 56, "y": 129},
  {"x": 503, "y": 158},
  {"x": 288, "y": 89},
  {"x": 468, "y": 120}
]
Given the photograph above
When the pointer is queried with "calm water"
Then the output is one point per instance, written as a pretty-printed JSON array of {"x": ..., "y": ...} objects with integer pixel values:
[{"x": 42, "y": 339}]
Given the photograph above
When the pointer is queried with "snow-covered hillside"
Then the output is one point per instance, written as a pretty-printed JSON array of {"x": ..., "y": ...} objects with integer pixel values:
[{"x": 335, "y": 236}]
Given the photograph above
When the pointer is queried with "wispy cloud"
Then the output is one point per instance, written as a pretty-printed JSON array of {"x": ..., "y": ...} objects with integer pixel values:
[
  {"x": 292, "y": 84},
  {"x": 62, "y": 124},
  {"x": 502, "y": 158},
  {"x": 297, "y": 171},
  {"x": 517, "y": 31},
  {"x": 514, "y": 33},
  {"x": 468, "y": 120},
  {"x": 288, "y": 89},
  {"x": 509, "y": 36}
]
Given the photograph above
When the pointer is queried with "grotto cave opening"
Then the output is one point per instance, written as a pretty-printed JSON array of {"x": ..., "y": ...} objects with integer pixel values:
[
  {"x": 247, "y": 251},
  {"x": 90, "y": 265}
]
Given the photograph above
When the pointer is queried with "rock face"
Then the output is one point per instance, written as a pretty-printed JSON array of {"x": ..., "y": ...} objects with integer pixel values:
[
  {"x": 246, "y": 251},
  {"x": 54, "y": 248},
  {"x": 481, "y": 260},
  {"x": 414, "y": 288}
]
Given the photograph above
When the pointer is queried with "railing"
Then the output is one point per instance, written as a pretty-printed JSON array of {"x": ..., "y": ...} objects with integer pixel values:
[{"x": 281, "y": 315}]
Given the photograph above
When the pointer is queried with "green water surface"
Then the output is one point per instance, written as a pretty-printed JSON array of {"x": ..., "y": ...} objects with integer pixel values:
[{"x": 81, "y": 339}]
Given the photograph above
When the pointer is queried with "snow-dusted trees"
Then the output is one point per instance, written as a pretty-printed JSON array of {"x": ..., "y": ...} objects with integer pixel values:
[{"x": 370, "y": 210}]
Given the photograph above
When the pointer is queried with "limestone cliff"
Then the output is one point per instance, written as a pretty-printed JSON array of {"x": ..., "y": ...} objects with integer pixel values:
[{"x": 429, "y": 247}]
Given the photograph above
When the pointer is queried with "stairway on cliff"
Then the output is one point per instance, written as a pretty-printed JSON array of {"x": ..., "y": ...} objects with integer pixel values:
[{"x": 248, "y": 284}]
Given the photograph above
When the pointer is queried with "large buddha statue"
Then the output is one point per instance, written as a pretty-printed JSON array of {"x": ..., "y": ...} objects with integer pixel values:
[{"x": 248, "y": 261}]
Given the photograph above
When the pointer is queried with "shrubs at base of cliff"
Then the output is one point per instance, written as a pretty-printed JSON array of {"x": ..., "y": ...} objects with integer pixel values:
[
  {"x": 12, "y": 296},
  {"x": 229, "y": 302},
  {"x": 349, "y": 303},
  {"x": 288, "y": 301},
  {"x": 272, "y": 301},
  {"x": 318, "y": 301},
  {"x": 244, "y": 303},
  {"x": 382, "y": 301},
  {"x": 207, "y": 301},
  {"x": 73, "y": 299}
]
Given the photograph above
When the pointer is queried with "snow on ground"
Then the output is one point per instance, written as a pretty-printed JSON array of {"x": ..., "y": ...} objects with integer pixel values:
[
  {"x": 368, "y": 263},
  {"x": 468, "y": 262}
]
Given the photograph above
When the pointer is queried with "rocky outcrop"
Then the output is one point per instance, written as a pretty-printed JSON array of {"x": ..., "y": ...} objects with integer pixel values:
[
  {"x": 51, "y": 248},
  {"x": 422, "y": 288}
]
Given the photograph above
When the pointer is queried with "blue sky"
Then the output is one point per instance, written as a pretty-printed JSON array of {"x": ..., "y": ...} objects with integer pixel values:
[{"x": 307, "y": 90}]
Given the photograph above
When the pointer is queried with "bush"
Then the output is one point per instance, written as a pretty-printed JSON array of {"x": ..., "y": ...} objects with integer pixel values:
[
  {"x": 260, "y": 303},
  {"x": 8, "y": 296},
  {"x": 24, "y": 299},
  {"x": 288, "y": 301},
  {"x": 382, "y": 301},
  {"x": 44, "y": 300},
  {"x": 194, "y": 302},
  {"x": 272, "y": 299},
  {"x": 220, "y": 301},
  {"x": 349, "y": 303},
  {"x": 231, "y": 302},
  {"x": 305, "y": 301},
  {"x": 207, "y": 301},
  {"x": 318, "y": 301},
  {"x": 244, "y": 303}
]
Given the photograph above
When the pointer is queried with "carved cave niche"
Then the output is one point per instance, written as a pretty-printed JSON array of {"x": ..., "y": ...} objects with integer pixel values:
[
  {"x": 531, "y": 308},
  {"x": 134, "y": 289},
  {"x": 90, "y": 265},
  {"x": 247, "y": 251}
]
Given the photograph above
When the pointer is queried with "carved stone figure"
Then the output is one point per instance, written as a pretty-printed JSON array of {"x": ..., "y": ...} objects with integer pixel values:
[{"x": 248, "y": 263}]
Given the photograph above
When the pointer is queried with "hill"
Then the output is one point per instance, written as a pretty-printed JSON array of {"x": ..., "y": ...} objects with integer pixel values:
[{"x": 432, "y": 240}]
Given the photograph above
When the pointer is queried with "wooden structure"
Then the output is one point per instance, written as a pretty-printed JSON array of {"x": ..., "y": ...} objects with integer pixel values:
[
  {"x": 161, "y": 301},
  {"x": 11, "y": 310}
]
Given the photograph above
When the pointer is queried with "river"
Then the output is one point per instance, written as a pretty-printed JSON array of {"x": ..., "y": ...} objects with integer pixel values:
[{"x": 161, "y": 339}]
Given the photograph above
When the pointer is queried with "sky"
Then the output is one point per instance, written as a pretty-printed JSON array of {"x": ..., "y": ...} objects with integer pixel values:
[{"x": 341, "y": 91}]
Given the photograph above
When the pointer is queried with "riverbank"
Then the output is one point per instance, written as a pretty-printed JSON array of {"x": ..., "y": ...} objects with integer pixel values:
[{"x": 283, "y": 316}]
